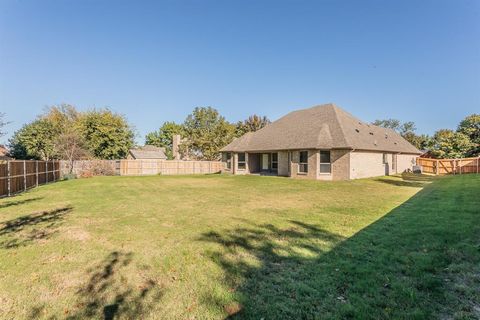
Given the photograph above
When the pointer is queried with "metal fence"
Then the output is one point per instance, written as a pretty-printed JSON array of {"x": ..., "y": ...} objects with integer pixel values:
[{"x": 19, "y": 175}]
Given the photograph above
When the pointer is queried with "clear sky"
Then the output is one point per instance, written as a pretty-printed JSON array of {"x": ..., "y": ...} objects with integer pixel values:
[{"x": 155, "y": 61}]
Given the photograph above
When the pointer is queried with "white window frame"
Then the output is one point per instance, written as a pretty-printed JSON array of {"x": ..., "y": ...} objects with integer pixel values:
[{"x": 329, "y": 163}]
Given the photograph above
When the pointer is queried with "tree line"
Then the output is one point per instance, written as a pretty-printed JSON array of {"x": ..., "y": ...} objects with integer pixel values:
[
  {"x": 444, "y": 143},
  {"x": 204, "y": 133},
  {"x": 63, "y": 132}
]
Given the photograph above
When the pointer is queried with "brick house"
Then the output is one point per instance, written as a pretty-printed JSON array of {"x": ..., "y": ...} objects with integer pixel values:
[{"x": 323, "y": 143}]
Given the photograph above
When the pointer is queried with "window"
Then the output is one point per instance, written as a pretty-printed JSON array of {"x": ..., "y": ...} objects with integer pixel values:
[
  {"x": 385, "y": 158},
  {"x": 242, "y": 165},
  {"x": 303, "y": 162},
  {"x": 228, "y": 159},
  {"x": 325, "y": 163},
  {"x": 274, "y": 161}
]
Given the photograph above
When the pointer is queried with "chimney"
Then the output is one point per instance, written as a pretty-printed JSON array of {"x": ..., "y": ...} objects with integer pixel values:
[{"x": 177, "y": 140}]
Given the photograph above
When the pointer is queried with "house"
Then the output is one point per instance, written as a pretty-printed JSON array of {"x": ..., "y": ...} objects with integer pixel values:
[
  {"x": 323, "y": 143},
  {"x": 147, "y": 152},
  {"x": 4, "y": 155}
]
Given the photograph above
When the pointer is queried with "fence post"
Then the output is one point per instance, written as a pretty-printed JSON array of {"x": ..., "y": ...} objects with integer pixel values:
[
  {"x": 46, "y": 171},
  {"x": 8, "y": 178},
  {"x": 436, "y": 168},
  {"x": 36, "y": 173},
  {"x": 24, "y": 175},
  {"x": 478, "y": 160},
  {"x": 53, "y": 162}
]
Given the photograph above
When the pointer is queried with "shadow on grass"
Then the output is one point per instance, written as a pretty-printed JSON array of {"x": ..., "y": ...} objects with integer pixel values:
[
  {"x": 18, "y": 202},
  {"x": 408, "y": 180},
  {"x": 420, "y": 261},
  {"x": 110, "y": 293},
  {"x": 29, "y": 228}
]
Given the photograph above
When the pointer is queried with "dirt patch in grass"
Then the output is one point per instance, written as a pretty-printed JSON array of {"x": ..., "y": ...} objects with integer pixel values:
[{"x": 76, "y": 234}]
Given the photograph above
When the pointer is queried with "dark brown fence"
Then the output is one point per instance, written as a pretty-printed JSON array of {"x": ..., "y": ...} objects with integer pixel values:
[
  {"x": 19, "y": 175},
  {"x": 449, "y": 166}
]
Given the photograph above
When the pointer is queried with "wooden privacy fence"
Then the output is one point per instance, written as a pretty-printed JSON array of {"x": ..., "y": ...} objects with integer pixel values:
[
  {"x": 168, "y": 167},
  {"x": 19, "y": 175},
  {"x": 449, "y": 166}
]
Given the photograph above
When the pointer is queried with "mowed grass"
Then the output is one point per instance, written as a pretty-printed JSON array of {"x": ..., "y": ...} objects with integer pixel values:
[{"x": 211, "y": 247}]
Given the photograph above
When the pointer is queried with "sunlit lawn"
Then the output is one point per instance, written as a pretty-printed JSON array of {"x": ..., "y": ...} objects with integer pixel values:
[{"x": 209, "y": 247}]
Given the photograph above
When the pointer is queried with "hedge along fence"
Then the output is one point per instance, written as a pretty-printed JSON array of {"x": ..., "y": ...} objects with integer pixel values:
[
  {"x": 449, "y": 166},
  {"x": 19, "y": 175},
  {"x": 88, "y": 168}
]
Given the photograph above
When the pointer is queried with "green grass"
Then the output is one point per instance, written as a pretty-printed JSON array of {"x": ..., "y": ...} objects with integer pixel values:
[{"x": 210, "y": 247}]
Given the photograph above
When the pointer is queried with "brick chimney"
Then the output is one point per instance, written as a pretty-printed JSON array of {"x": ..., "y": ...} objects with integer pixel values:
[{"x": 177, "y": 140}]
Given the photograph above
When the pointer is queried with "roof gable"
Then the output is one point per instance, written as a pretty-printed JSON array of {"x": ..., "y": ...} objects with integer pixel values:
[{"x": 148, "y": 152}]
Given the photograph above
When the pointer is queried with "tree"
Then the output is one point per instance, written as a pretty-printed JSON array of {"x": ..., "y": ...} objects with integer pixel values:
[
  {"x": 71, "y": 146},
  {"x": 470, "y": 126},
  {"x": 164, "y": 137},
  {"x": 447, "y": 143},
  {"x": 252, "y": 124},
  {"x": 107, "y": 135},
  {"x": 393, "y": 124},
  {"x": 35, "y": 140},
  {"x": 207, "y": 132},
  {"x": 62, "y": 117}
]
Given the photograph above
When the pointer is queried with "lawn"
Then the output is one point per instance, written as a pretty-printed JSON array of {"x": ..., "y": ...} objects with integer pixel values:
[{"x": 210, "y": 247}]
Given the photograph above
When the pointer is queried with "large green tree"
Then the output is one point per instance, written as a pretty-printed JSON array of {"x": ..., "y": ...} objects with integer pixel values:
[
  {"x": 206, "y": 132},
  {"x": 107, "y": 135},
  {"x": 251, "y": 124},
  {"x": 447, "y": 143},
  {"x": 470, "y": 126},
  {"x": 35, "y": 140},
  {"x": 163, "y": 137}
]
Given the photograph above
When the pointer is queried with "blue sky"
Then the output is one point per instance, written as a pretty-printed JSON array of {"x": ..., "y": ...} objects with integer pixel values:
[{"x": 156, "y": 61}]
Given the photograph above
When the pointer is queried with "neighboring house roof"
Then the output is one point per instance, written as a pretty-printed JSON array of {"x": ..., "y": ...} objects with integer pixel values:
[
  {"x": 321, "y": 127},
  {"x": 148, "y": 152},
  {"x": 4, "y": 155}
]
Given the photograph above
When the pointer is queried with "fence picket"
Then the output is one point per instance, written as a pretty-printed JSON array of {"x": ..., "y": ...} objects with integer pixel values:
[
  {"x": 21, "y": 175},
  {"x": 449, "y": 166}
]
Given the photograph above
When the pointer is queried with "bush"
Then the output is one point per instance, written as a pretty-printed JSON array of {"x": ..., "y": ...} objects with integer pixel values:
[
  {"x": 97, "y": 168},
  {"x": 69, "y": 176}
]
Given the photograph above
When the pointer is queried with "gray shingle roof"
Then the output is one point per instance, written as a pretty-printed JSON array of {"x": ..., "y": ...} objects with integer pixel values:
[
  {"x": 321, "y": 127},
  {"x": 148, "y": 152}
]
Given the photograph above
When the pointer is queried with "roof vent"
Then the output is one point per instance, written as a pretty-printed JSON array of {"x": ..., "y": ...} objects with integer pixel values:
[
  {"x": 386, "y": 136},
  {"x": 371, "y": 133},
  {"x": 375, "y": 142},
  {"x": 357, "y": 130}
]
